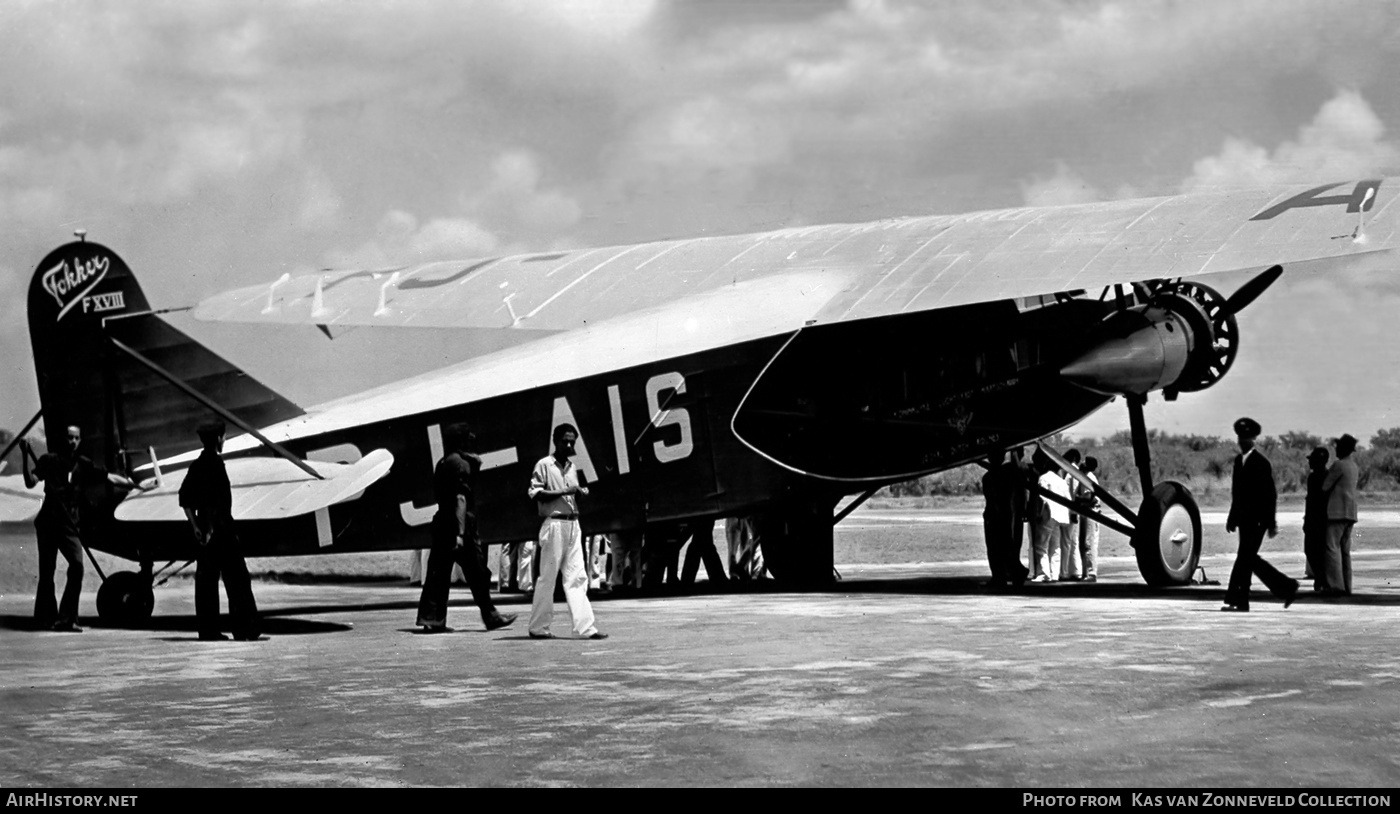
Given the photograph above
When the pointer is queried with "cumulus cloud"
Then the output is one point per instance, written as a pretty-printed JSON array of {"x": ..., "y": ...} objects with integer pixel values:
[
  {"x": 320, "y": 203},
  {"x": 401, "y": 239},
  {"x": 514, "y": 191},
  {"x": 708, "y": 135},
  {"x": 217, "y": 147},
  {"x": 601, "y": 21},
  {"x": 1064, "y": 187},
  {"x": 1345, "y": 140}
]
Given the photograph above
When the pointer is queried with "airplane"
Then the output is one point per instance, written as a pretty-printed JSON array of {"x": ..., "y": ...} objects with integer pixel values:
[{"x": 771, "y": 375}]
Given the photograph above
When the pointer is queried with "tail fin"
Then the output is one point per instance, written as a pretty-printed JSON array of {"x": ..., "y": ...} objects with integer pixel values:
[{"x": 82, "y": 295}]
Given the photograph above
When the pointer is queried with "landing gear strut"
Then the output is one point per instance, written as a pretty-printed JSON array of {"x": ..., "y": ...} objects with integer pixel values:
[{"x": 1167, "y": 533}]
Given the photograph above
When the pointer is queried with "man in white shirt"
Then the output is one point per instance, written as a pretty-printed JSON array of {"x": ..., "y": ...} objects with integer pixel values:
[
  {"x": 1052, "y": 523},
  {"x": 1060, "y": 541},
  {"x": 555, "y": 488},
  {"x": 1070, "y": 568}
]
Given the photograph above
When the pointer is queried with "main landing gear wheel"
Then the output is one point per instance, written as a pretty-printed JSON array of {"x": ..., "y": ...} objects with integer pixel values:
[
  {"x": 125, "y": 598},
  {"x": 1168, "y": 536}
]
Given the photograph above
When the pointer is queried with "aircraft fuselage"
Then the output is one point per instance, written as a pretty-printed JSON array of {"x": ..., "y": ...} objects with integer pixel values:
[{"x": 833, "y": 410}]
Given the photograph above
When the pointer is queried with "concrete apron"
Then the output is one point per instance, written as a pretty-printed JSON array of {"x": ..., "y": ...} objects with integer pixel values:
[{"x": 902, "y": 675}]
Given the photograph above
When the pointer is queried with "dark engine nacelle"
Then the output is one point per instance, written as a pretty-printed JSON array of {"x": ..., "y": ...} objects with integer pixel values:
[{"x": 1183, "y": 339}]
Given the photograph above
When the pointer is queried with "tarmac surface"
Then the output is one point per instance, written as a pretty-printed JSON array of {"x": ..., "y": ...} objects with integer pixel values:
[{"x": 902, "y": 675}]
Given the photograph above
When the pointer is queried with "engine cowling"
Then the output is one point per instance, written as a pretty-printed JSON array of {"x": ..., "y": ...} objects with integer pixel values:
[{"x": 1183, "y": 339}]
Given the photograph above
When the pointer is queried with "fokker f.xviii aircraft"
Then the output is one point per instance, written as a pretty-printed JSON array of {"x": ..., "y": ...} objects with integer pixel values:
[{"x": 767, "y": 374}]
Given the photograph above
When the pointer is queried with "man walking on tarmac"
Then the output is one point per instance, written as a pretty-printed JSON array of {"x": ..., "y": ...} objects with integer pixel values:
[
  {"x": 555, "y": 488},
  {"x": 1253, "y": 500},
  {"x": 456, "y": 537}
]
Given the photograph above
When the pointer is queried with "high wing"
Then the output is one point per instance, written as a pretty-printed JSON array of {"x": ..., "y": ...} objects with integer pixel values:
[{"x": 859, "y": 270}]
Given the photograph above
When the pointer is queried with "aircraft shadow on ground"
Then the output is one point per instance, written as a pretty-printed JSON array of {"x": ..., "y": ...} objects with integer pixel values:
[
  {"x": 1127, "y": 591},
  {"x": 272, "y": 625},
  {"x": 975, "y": 586},
  {"x": 288, "y": 621}
]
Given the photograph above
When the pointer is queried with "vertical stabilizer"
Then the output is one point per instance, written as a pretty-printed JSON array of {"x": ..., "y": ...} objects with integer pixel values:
[{"x": 83, "y": 294}]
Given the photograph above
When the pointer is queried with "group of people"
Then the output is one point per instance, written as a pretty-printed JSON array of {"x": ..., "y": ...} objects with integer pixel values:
[
  {"x": 206, "y": 498},
  {"x": 556, "y": 487},
  {"x": 637, "y": 560},
  {"x": 1329, "y": 515},
  {"x": 1064, "y": 543},
  {"x": 631, "y": 561}
]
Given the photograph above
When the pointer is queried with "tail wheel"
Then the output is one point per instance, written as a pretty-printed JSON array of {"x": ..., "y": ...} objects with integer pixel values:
[
  {"x": 125, "y": 598},
  {"x": 1168, "y": 536}
]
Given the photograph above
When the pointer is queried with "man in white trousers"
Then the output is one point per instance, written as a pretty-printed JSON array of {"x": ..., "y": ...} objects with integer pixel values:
[{"x": 555, "y": 488}]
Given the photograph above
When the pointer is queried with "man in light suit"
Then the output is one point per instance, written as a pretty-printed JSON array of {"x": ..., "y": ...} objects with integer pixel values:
[
  {"x": 1253, "y": 500},
  {"x": 1340, "y": 487}
]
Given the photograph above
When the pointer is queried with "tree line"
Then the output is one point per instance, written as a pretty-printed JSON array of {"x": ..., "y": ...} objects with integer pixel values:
[{"x": 1203, "y": 463}]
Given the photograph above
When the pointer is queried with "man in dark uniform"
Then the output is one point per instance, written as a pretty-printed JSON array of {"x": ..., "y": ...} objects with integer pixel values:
[
  {"x": 999, "y": 520},
  {"x": 207, "y": 498},
  {"x": 1315, "y": 519},
  {"x": 455, "y": 536},
  {"x": 57, "y": 527},
  {"x": 702, "y": 548},
  {"x": 1252, "y": 503},
  {"x": 1019, "y": 474}
]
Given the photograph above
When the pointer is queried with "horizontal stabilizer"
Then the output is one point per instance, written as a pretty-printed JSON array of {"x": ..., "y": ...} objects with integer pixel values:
[
  {"x": 18, "y": 504},
  {"x": 265, "y": 489}
]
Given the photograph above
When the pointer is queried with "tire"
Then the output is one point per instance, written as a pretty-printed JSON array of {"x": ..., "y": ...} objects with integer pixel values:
[
  {"x": 125, "y": 598},
  {"x": 1167, "y": 540}
]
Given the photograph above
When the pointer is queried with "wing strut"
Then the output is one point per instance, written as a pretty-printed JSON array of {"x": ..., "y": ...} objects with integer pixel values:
[
  {"x": 211, "y": 404},
  {"x": 1102, "y": 493},
  {"x": 855, "y": 504}
]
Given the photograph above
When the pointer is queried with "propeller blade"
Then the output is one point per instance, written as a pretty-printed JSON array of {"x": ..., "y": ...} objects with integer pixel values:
[{"x": 1251, "y": 290}]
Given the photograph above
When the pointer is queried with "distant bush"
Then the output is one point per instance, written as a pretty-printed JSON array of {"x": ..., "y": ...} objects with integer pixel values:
[{"x": 1203, "y": 463}]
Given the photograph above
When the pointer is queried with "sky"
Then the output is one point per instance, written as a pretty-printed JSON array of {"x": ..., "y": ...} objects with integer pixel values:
[{"x": 220, "y": 144}]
